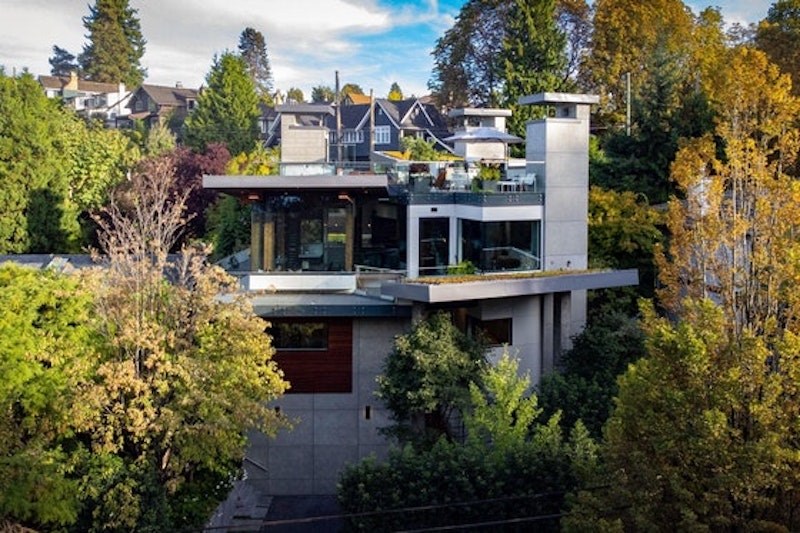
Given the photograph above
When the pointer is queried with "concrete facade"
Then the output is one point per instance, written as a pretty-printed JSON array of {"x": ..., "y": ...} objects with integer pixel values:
[{"x": 330, "y": 431}]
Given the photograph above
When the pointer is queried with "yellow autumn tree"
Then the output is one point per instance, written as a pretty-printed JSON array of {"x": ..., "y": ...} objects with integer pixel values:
[
  {"x": 626, "y": 33},
  {"x": 187, "y": 369},
  {"x": 706, "y": 429},
  {"x": 734, "y": 233}
]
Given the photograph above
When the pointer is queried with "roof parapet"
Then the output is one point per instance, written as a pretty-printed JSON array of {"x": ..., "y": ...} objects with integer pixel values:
[{"x": 558, "y": 98}]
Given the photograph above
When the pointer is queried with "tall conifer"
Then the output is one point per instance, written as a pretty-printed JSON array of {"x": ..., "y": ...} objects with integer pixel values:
[{"x": 116, "y": 44}]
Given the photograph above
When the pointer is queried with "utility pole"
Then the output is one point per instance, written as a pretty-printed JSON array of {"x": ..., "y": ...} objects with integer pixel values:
[
  {"x": 371, "y": 125},
  {"x": 338, "y": 125},
  {"x": 628, "y": 103}
]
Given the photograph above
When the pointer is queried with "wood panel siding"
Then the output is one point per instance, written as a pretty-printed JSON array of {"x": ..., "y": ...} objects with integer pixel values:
[{"x": 319, "y": 371}]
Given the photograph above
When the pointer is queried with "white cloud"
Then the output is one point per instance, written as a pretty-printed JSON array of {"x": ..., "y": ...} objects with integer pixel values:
[{"x": 307, "y": 40}]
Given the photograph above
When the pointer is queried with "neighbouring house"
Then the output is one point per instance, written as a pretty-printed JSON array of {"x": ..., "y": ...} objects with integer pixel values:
[
  {"x": 340, "y": 263},
  {"x": 91, "y": 99},
  {"x": 154, "y": 104},
  {"x": 364, "y": 128},
  {"x": 368, "y": 128},
  {"x": 355, "y": 99}
]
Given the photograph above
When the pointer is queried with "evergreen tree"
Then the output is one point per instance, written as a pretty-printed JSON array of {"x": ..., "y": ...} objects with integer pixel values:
[
  {"x": 116, "y": 44},
  {"x": 36, "y": 211},
  {"x": 227, "y": 110},
  {"x": 778, "y": 36},
  {"x": 395, "y": 92},
  {"x": 62, "y": 62},
  {"x": 253, "y": 50},
  {"x": 533, "y": 57}
]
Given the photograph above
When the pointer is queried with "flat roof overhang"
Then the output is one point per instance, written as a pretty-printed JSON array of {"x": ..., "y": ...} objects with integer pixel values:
[
  {"x": 280, "y": 184},
  {"x": 327, "y": 305},
  {"x": 511, "y": 287}
]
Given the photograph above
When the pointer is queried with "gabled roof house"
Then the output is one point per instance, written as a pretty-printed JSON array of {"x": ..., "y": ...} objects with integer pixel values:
[
  {"x": 91, "y": 99},
  {"x": 365, "y": 127},
  {"x": 340, "y": 263},
  {"x": 158, "y": 103}
]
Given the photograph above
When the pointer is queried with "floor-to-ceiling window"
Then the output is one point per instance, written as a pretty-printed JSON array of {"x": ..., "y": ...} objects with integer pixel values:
[
  {"x": 433, "y": 245},
  {"x": 498, "y": 246}
]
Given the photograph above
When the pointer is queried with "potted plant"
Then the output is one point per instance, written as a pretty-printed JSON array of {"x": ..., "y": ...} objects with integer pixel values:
[{"x": 488, "y": 172}]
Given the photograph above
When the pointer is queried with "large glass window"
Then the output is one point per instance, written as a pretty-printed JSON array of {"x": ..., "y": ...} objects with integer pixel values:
[
  {"x": 495, "y": 332},
  {"x": 309, "y": 235},
  {"x": 299, "y": 335},
  {"x": 433, "y": 245},
  {"x": 498, "y": 246}
]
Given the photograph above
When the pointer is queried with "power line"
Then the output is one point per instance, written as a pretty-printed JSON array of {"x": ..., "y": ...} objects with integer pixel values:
[{"x": 449, "y": 505}]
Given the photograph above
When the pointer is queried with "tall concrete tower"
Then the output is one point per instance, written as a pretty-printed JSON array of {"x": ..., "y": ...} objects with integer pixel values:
[{"x": 557, "y": 150}]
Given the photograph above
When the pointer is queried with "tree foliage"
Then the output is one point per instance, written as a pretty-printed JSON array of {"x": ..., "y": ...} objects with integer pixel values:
[
  {"x": 499, "y": 49},
  {"x": 626, "y": 33},
  {"x": 229, "y": 219},
  {"x": 734, "y": 235},
  {"x": 116, "y": 44},
  {"x": 36, "y": 211},
  {"x": 704, "y": 432},
  {"x": 703, "y": 435},
  {"x": 227, "y": 110},
  {"x": 395, "y": 92},
  {"x": 428, "y": 375},
  {"x": 533, "y": 57},
  {"x": 467, "y": 69},
  {"x": 778, "y": 34},
  {"x": 253, "y": 49},
  {"x": 418, "y": 149},
  {"x": 47, "y": 355},
  {"x": 322, "y": 94},
  {"x": 624, "y": 231},
  {"x": 62, "y": 63},
  {"x": 190, "y": 167},
  {"x": 351, "y": 88},
  {"x": 508, "y": 459},
  {"x": 574, "y": 20},
  {"x": 585, "y": 385},
  {"x": 185, "y": 373},
  {"x": 295, "y": 96}
]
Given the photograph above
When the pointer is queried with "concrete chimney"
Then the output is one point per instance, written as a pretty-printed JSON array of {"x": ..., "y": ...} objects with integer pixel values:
[{"x": 557, "y": 151}]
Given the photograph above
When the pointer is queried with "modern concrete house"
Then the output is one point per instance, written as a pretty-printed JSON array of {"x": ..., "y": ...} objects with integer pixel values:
[{"x": 341, "y": 263}]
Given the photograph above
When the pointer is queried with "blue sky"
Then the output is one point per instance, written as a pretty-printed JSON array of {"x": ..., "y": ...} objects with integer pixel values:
[{"x": 371, "y": 42}]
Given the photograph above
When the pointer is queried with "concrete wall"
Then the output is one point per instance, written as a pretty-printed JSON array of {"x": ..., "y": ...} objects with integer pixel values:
[
  {"x": 480, "y": 150},
  {"x": 541, "y": 327},
  {"x": 563, "y": 145},
  {"x": 303, "y": 144},
  {"x": 331, "y": 430}
]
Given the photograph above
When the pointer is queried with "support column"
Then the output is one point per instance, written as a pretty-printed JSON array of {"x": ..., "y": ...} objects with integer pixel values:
[
  {"x": 567, "y": 329},
  {"x": 256, "y": 239},
  {"x": 548, "y": 326},
  {"x": 268, "y": 248},
  {"x": 349, "y": 236}
]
